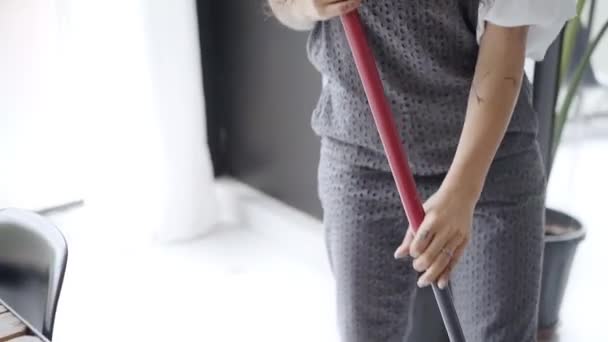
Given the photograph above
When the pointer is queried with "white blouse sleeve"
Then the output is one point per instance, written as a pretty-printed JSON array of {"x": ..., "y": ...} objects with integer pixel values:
[{"x": 544, "y": 17}]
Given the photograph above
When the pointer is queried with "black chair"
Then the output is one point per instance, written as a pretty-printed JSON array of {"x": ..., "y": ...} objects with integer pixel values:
[{"x": 33, "y": 259}]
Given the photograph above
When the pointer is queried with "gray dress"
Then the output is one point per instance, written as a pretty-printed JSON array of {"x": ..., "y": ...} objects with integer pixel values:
[{"x": 426, "y": 52}]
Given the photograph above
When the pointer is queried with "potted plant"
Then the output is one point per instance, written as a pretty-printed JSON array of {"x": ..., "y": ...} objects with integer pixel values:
[{"x": 563, "y": 233}]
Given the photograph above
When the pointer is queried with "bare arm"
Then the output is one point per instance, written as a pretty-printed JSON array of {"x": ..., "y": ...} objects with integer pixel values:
[
  {"x": 301, "y": 15},
  {"x": 496, "y": 86},
  {"x": 446, "y": 229}
]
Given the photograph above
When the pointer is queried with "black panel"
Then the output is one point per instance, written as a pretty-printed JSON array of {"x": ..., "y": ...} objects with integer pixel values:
[
  {"x": 546, "y": 78},
  {"x": 211, "y": 58},
  {"x": 260, "y": 91}
]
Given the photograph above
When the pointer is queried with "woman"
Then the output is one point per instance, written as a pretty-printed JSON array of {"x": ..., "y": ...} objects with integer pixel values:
[{"x": 453, "y": 71}]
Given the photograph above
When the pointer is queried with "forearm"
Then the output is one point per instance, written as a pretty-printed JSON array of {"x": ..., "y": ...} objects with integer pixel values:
[
  {"x": 496, "y": 85},
  {"x": 290, "y": 15}
]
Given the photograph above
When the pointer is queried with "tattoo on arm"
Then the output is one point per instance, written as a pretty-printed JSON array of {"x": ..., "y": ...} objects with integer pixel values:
[
  {"x": 477, "y": 96},
  {"x": 480, "y": 99},
  {"x": 424, "y": 234},
  {"x": 281, "y": 2},
  {"x": 512, "y": 79}
]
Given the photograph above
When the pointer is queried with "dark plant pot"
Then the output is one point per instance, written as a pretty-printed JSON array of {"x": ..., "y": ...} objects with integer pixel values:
[{"x": 559, "y": 255}]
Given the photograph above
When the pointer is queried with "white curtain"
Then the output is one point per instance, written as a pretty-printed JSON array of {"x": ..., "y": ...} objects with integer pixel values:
[
  {"x": 132, "y": 79},
  {"x": 189, "y": 200}
]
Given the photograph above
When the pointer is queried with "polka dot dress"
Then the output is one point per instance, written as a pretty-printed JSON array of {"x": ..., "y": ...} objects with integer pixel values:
[
  {"x": 495, "y": 285},
  {"x": 426, "y": 52}
]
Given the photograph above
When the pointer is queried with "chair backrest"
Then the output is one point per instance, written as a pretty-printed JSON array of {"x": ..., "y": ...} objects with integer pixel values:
[{"x": 33, "y": 258}]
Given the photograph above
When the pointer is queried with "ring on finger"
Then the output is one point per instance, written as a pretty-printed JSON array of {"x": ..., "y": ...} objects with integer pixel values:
[{"x": 447, "y": 252}]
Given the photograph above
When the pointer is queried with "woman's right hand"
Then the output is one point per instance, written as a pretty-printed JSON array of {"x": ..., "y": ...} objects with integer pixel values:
[
  {"x": 319, "y": 10},
  {"x": 303, "y": 14}
]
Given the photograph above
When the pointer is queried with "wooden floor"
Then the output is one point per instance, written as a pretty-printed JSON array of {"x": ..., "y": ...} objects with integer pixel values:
[{"x": 12, "y": 329}]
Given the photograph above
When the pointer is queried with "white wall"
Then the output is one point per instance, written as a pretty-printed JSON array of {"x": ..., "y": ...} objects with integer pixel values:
[{"x": 39, "y": 147}]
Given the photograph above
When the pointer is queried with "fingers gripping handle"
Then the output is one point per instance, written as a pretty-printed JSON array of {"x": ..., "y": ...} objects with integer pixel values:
[{"x": 396, "y": 154}]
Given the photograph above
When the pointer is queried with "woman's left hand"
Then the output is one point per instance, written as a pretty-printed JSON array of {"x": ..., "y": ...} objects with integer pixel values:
[{"x": 441, "y": 238}]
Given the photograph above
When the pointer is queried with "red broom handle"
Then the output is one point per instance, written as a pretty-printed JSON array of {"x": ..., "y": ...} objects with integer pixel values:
[
  {"x": 385, "y": 122},
  {"x": 397, "y": 157}
]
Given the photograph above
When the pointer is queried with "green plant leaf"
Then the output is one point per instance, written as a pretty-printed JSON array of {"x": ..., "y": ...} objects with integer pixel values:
[
  {"x": 580, "y": 4},
  {"x": 562, "y": 115},
  {"x": 570, "y": 32}
]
